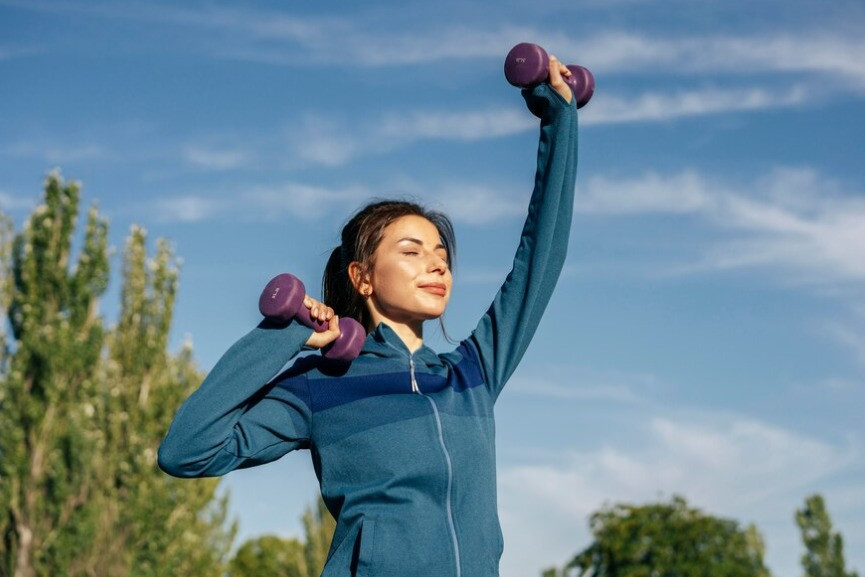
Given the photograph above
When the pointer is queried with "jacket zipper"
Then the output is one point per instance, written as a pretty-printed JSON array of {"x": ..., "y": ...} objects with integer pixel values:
[{"x": 453, "y": 531}]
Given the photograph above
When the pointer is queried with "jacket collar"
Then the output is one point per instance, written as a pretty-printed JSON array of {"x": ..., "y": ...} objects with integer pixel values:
[{"x": 384, "y": 342}]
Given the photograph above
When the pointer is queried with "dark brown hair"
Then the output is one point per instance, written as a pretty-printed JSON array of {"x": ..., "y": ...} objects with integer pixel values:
[{"x": 360, "y": 237}]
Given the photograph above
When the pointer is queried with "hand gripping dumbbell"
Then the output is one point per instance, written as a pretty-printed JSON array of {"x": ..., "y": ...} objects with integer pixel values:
[
  {"x": 528, "y": 64},
  {"x": 282, "y": 300}
]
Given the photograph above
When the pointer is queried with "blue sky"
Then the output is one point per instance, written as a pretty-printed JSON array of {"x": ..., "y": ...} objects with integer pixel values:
[{"x": 707, "y": 336}]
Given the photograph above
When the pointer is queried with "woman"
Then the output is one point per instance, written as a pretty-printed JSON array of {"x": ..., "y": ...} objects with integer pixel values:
[{"x": 402, "y": 439}]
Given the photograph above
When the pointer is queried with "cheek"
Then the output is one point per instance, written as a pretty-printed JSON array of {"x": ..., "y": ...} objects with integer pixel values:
[{"x": 392, "y": 278}]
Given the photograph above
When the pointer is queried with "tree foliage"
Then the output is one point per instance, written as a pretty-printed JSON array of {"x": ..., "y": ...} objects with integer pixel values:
[
  {"x": 667, "y": 539},
  {"x": 270, "y": 555},
  {"x": 319, "y": 525},
  {"x": 83, "y": 408},
  {"x": 824, "y": 548}
]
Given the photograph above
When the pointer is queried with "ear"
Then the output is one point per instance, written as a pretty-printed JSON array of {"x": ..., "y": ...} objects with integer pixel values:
[{"x": 360, "y": 278}]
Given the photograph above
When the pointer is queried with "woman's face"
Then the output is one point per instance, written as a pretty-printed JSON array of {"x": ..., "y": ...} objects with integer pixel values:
[{"x": 411, "y": 280}]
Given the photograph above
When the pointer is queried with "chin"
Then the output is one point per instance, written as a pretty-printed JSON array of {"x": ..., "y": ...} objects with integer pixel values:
[{"x": 431, "y": 314}]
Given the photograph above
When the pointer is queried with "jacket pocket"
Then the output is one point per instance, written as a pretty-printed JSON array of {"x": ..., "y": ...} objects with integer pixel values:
[{"x": 365, "y": 548}]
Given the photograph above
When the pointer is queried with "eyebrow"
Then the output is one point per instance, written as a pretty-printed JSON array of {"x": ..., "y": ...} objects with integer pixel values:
[{"x": 420, "y": 242}]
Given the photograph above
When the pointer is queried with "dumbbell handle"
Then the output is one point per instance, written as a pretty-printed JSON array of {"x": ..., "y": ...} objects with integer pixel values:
[
  {"x": 282, "y": 300},
  {"x": 528, "y": 64}
]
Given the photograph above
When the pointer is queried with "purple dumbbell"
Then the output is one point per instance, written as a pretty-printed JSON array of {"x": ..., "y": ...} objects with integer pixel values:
[
  {"x": 282, "y": 300},
  {"x": 528, "y": 64}
]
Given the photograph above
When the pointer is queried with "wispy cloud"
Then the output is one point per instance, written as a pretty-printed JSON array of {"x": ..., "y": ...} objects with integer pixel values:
[
  {"x": 265, "y": 35},
  {"x": 468, "y": 202},
  {"x": 258, "y": 203},
  {"x": 792, "y": 218},
  {"x": 214, "y": 158},
  {"x": 847, "y": 336},
  {"x": 56, "y": 152},
  {"x": 658, "y": 106},
  {"x": 330, "y": 142},
  {"x": 10, "y": 202},
  {"x": 466, "y": 125},
  {"x": 15, "y": 52},
  {"x": 188, "y": 208},
  {"x": 476, "y": 203},
  {"x": 585, "y": 384},
  {"x": 303, "y": 200},
  {"x": 725, "y": 464},
  {"x": 812, "y": 51},
  {"x": 613, "y": 392}
]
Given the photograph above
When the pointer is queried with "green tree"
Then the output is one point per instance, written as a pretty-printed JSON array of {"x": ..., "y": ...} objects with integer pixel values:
[
  {"x": 47, "y": 379},
  {"x": 83, "y": 409},
  {"x": 159, "y": 525},
  {"x": 667, "y": 539},
  {"x": 824, "y": 548},
  {"x": 319, "y": 525},
  {"x": 269, "y": 556}
]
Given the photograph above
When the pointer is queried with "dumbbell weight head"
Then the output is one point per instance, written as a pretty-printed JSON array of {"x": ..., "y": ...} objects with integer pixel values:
[
  {"x": 347, "y": 345},
  {"x": 527, "y": 64},
  {"x": 282, "y": 300},
  {"x": 582, "y": 84}
]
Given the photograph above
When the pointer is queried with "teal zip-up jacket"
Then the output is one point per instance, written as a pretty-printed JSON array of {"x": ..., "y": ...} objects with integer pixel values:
[{"x": 403, "y": 444}]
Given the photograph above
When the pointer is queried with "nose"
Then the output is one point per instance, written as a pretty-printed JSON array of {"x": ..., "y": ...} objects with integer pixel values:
[{"x": 437, "y": 264}]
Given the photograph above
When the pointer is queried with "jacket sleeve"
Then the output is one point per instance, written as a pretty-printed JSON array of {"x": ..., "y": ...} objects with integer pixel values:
[
  {"x": 504, "y": 332},
  {"x": 237, "y": 418}
]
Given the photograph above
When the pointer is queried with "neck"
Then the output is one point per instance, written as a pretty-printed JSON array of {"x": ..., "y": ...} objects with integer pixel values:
[{"x": 411, "y": 333}]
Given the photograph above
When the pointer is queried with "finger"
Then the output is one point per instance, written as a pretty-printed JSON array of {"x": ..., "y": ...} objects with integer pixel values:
[
  {"x": 555, "y": 69},
  {"x": 307, "y": 302}
]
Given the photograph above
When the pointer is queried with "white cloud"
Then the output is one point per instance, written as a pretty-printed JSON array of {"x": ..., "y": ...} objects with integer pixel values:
[
  {"x": 685, "y": 192},
  {"x": 585, "y": 384},
  {"x": 723, "y": 464},
  {"x": 657, "y": 106},
  {"x": 476, "y": 203},
  {"x": 57, "y": 153},
  {"x": 214, "y": 159},
  {"x": 850, "y": 338},
  {"x": 831, "y": 54},
  {"x": 302, "y": 200},
  {"x": 328, "y": 142},
  {"x": 466, "y": 125},
  {"x": 14, "y": 52},
  {"x": 618, "y": 393},
  {"x": 10, "y": 202},
  {"x": 324, "y": 141},
  {"x": 188, "y": 208},
  {"x": 790, "y": 218},
  {"x": 263, "y": 35}
]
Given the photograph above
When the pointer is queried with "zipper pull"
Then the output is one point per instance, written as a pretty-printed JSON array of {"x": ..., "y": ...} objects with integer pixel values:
[{"x": 414, "y": 387}]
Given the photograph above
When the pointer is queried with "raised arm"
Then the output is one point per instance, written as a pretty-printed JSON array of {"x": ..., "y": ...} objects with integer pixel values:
[
  {"x": 504, "y": 332},
  {"x": 237, "y": 418}
]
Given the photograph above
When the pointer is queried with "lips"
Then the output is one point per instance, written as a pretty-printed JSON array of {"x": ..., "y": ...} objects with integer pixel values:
[{"x": 436, "y": 288}]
